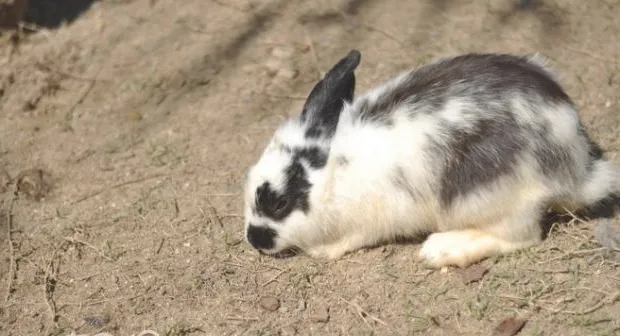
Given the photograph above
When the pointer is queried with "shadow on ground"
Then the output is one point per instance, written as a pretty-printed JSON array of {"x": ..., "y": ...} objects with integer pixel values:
[{"x": 52, "y": 13}]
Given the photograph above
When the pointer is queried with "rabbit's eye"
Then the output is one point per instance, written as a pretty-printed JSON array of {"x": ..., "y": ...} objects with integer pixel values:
[{"x": 281, "y": 205}]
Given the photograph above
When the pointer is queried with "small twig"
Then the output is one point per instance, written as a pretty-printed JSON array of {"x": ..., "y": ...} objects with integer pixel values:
[
  {"x": 232, "y": 264},
  {"x": 284, "y": 96},
  {"x": 194, "y": 29},
  {"x": 160, "y": 246},
  {"x": 608, "y": 300},
  {"x": 81, "y": 242},
  {"x": 370, "y": 27},
  {"x": 69, "y": 114},
  {"x": 272, "y": 267},
  {"x": 231, "y": 215},
  {"x": 9, "y": 228},
  {"x": 86, "y": 277},
  {"x": 41, "y": 269},
  {"x": 32, "y": 27},
  {"x": 223, "y": 195},
  {"x": 561, "y": 271},
  {"x": 49, "y": 284},
  {"x": 115, "y": 186},
  {"x": 245, "y": 319},
  {"x": 592, "y": 55},
  {"x": 573, "y": 253},
  {"x": 273, "y": 279},
  {"x": 574, "y": 216},
  {"x": 364, "y": 314},
  {"x": 227, "y": 4},
  {"x": 48, "y": 68},
  {"x": 213, "y": 214}
]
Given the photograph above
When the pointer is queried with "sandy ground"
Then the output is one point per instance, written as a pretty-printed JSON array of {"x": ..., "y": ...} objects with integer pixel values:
[{"x": 127, "y": 129}]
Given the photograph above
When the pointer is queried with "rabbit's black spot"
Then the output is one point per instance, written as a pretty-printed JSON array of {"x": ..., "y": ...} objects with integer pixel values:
[
  {"x": 472, "y": 76},
  {"x": 314, "y": 156},
  {"x": 595, "y": 151},
  {"x": 266, "y": 200},
  {"x": 261, "y": 237},
  {"x": 313, "y": 132},
  {"x": 550, "y": 158},
  {"x": 375, "y": 113},
  {"x": 297, "y": 187},
  {"x": 478, "y": 155},
  {"x": 287, "y": 149},
  {"x": 400, "y": 181},
  {"x": 277, "y": 204},
  {"x": 326, "y": 100},
  {"x": 272, "y": 204}
]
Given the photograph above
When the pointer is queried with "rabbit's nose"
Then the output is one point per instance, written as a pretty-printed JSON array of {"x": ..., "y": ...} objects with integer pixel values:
[{"x": 261, "y": 237}]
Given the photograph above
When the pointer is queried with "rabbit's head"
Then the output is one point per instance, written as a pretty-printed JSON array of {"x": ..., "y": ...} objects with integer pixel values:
[{"x": 278, "y": 206}]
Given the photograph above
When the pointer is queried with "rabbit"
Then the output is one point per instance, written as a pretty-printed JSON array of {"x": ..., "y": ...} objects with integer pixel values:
[{"x": 470, "y": 150}]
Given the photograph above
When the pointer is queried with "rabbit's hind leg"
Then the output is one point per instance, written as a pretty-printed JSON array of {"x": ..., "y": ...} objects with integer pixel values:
[
  {"x": 466, "y": 247},
  {"x": 470, "y": 245}
]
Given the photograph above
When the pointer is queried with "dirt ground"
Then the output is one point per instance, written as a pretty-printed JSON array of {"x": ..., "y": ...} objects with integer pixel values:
[{"x": 126, "y": 130}]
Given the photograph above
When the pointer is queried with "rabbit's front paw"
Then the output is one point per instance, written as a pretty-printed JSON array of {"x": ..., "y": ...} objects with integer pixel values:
[{"x": 338, "y": 249}]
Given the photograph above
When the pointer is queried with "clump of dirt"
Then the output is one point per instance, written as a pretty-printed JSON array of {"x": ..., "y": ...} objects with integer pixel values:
[
  {"x": 34, "y": 184},
  {"x": 5, "y": 180}
]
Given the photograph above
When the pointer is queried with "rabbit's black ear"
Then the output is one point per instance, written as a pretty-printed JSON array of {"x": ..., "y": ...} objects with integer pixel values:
[{"x": 326, "y": 100}]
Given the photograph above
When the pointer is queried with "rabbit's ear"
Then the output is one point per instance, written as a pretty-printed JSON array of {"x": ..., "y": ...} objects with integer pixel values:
[{"x": 326, "y": 100}]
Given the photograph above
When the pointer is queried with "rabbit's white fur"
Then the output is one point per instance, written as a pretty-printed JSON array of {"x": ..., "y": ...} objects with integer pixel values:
[
  {"x": 499, "y": 218},
  {"x": 355, "y": 203}
]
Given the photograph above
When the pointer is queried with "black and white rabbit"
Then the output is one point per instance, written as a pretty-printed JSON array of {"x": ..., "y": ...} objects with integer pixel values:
[{"x": 473, "y": 149}]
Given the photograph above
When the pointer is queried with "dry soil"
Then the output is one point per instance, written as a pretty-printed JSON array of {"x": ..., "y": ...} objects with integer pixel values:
[{"x": 127, "y": 125}]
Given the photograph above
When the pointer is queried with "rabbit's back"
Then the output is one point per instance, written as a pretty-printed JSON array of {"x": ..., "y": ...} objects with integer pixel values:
[{"x": 461, "y": 126}]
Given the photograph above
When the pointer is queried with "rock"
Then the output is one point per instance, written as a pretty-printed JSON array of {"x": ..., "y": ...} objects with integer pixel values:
[
  {"x": 269, "y": 303},
  {"x": 248, "y": 68},
  {"x": 288, "y": 72},
  {"x": 288, "y": 331},
  {"x": 273, "y": 66},
  {"x": 321, "y": 314},
  {"x": 509, "y": 327},
  {"x": 283, "y": 53},
  {"x": 472, "y": 273},
  {"x": 301, "y": 305}
]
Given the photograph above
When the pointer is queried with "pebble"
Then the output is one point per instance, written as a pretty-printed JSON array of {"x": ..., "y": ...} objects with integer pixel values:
[
  {"x": 288, "y": 331},
  {"x": 273, "y": 66},
  {"x": 282, "y": 52},
  {"x": 269, "y": 303},
  {"x": 321, "y": 314},
  {"x": 301, "y": 305},
  {"x": 288, "y": 72}
]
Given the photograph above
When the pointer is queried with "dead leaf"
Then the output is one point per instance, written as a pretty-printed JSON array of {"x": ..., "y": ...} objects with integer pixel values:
[
  {"x": 472, "y": 273},
  {"x": 509, "y": 327}
]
